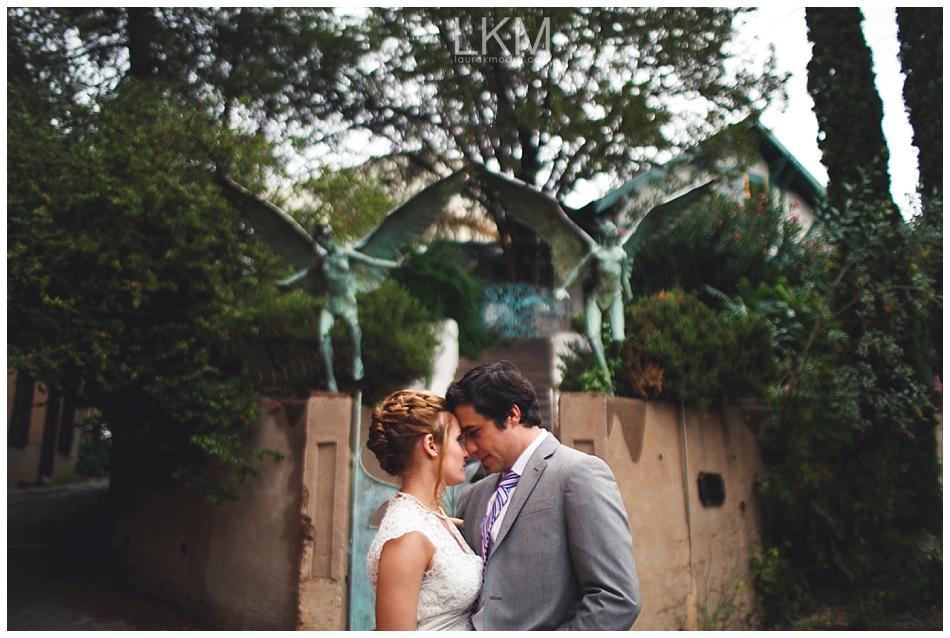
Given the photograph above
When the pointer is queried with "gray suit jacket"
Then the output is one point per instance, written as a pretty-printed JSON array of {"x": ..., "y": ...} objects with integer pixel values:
[{"x": 563, "y": 558}]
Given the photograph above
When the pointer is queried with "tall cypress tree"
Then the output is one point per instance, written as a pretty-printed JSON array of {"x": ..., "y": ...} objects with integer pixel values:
[
  {"x": 847, "y": 105},
  {"x": 851, "y": 486},
  {"x": 920, "y": 31}
]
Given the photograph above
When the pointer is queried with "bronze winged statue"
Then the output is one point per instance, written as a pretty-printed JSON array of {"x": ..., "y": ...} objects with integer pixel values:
[
  {"x": 337, "y": 272},
  {"x": 575, "y": 253}
]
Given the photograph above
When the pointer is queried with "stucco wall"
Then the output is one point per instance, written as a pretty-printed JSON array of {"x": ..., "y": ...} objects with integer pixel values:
[
  {"x": 691, "y": 559},
  {"x": 273, "y": 560},
  {"x": 23, "y": 464}
]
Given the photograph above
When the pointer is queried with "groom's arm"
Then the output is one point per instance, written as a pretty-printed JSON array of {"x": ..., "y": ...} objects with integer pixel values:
[{"x": 601, "y": 549}]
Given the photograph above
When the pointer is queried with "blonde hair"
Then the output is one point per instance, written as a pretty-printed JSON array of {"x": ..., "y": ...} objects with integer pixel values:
[{"x": 398, "y": 425}]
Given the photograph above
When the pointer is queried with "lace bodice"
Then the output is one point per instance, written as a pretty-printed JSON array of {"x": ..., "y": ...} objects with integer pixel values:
[{"x": 451, "y": 585}]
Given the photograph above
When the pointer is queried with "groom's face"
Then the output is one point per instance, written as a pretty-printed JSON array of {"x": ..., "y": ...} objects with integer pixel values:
[{"x": 496, "y": 448}]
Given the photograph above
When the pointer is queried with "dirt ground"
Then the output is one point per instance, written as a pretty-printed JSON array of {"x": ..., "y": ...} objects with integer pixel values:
[{"x": 58, "y": 576}]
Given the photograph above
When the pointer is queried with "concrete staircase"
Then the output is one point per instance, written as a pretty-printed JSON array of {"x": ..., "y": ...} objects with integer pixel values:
[{"x": 535, "y": 359}]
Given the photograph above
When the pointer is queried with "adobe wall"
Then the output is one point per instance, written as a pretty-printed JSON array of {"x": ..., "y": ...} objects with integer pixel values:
[
  {"x": 274, "y": 560},
  {"x": 689, "y": 557}
]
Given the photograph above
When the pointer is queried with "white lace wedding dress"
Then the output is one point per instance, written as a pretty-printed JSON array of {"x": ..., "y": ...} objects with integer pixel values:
[{"x": 451, "y": 585}]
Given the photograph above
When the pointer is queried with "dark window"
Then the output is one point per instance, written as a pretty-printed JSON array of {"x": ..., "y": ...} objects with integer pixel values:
[
  {"x": 712, "y": 489},
  {"x": 67, "y": 427},
  {"x": 50, "y": 430},
  {"x": 18, "y": 433}
]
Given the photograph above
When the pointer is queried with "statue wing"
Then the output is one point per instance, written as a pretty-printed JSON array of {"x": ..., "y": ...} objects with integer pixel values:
[
  {"x": 412, "y": 218},
  {"x": 403, "y": 224},
  {"x": 662, "y": 217},
  {"x": 277, "y": 230},
  {"x": 570, "y": 245}
]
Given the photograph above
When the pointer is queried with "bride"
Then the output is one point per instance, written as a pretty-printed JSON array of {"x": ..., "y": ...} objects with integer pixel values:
[{"x": 423, "y": 572}]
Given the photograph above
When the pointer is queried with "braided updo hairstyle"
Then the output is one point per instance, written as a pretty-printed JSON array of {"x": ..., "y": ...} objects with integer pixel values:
[{"x": 398, "y": 425}]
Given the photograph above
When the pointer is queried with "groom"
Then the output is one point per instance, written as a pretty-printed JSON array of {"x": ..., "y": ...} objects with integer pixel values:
[{"x": 549, "y": 522}]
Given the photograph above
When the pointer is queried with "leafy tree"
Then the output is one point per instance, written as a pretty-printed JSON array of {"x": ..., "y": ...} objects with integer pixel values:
[
  {"x": 598, "y": 101},
  {"x": 38, "y": 71},
  {"x": 125, "y": 274},
  {"x": 351, "y": 201},
  {"x": 132, "y": 285},
  {"x": 133, "y": 288},
  {"x": 848, "y": 108},
  {"x": 595, "y": 103},
  {"x": 928, "y": 227},
  {"x": 920, "y": 32},
  {"x": 274, "y": 66},
  {"x": 851, "y": 489},
  {"x": 354, "y": 200}
]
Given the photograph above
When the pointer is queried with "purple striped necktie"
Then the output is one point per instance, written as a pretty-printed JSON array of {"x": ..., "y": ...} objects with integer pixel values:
[{"x": 507, "y": 483}]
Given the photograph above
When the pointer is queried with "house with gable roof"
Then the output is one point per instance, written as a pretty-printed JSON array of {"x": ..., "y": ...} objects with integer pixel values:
[{"x": 796, "y": 190}]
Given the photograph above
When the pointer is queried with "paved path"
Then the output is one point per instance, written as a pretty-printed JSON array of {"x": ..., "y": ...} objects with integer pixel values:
[{"x": 58, "y": 575}]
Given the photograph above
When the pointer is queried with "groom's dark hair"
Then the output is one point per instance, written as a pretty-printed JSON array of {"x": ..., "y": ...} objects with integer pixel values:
[{"x": 492, "y": 389}]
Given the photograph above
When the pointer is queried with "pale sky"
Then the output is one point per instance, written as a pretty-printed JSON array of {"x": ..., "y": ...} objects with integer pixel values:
[{"x": 797, "y": 129}]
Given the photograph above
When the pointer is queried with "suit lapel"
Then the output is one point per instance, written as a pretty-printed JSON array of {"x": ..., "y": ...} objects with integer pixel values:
[
  {"x": 475, "y": 510},
  {"x": 526, "y": 484}
]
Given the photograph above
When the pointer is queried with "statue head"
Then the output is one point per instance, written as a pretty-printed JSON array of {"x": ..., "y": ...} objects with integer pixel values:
[
  {"x": 323, "y": 235},
  {"x": 611, "y": 232}
]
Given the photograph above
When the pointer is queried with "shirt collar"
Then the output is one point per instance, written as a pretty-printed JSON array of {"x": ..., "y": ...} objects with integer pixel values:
[{"x": 522, "y": 461}]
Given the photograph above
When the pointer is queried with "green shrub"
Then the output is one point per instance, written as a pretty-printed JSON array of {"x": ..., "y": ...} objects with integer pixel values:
[
  {"x": 95, "y": 451},
  {"x": 398, "y": 343},
  {"x": 781, "y": 587},
  {"x": 448, "y": 291},
  {"x": 581, "y": 373},
  {"x": 677, "y": 348},
  {"x": 718, "y": 243},
  {"x": 280, "y": 343}
]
